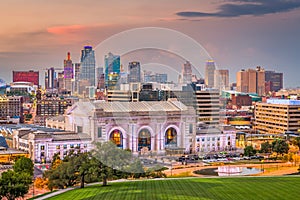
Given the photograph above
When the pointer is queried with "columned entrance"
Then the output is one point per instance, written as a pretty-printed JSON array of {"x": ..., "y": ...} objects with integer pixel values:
[{"x": 144, "y": 139}]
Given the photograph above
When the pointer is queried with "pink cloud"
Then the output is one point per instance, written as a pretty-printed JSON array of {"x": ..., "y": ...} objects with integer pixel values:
[{"x": 60, "y": 30}]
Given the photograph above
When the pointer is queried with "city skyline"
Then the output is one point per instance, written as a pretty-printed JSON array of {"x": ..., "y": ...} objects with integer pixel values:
[{"x": 237, "y": 34}]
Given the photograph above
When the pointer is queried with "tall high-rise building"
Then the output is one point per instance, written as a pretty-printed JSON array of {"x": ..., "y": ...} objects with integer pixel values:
[
  {"x": 26, "y": 76},
  {"x": 221, "y": 79},
  {"x": 49, "y": 78},
  {"x": 88, "y": 66},
  {"x": 274, "y": 81},
  {"x": 100, "y": 78},
  {"x": 209, "y": 73},
  {"x": 134, "y": 70},
  {"x": 186, "y": 72},
  {"x": 208, "y": 106},
  {"x": 251, "y": 81},
  {"x": 112, "y": 70},
  {"x": 158, "y": 78},
  {"x": 76, "y": 76},
  {"x": 68, "y": 73}
]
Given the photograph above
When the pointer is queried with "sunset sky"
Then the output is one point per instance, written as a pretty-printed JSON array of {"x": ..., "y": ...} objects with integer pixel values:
[{"x": 238, "y": 34}]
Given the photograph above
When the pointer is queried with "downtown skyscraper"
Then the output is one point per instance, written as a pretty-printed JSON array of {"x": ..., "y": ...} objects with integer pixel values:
[
  {"x": 134, "y": 70},
  {"x": 87, "y": 74},
  {"x": 112, "y": 70},
  {"x": 251, "y": 81},
  {"x": 68, "y": 73},
  {"x": 210, "y": 73}
]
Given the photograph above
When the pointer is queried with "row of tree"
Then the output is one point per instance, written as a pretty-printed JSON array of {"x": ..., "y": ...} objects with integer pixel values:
[
  {"x": 105, "y": 162},
  {"x": 278, "y": 146}
]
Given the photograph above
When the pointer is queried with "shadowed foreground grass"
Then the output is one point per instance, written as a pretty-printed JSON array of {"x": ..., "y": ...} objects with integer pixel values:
[{"x": 194, "y": 188}]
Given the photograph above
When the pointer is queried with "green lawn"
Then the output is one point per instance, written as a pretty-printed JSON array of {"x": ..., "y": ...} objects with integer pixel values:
[{"x": 194, "y": 188}]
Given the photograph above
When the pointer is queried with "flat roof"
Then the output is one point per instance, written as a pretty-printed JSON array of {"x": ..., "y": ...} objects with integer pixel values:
[{"x": 283, "y": 101}]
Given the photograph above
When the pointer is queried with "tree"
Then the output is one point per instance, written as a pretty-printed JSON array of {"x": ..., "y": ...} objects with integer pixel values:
[
  {"x": 41, "y": 183},
  {"x": 296, "y": 142},
  {"x": 156, "y": 172},
  {"x": 71, "y": 170},
  {"x": 56, "y": 161},
  {"x": 64, "y": 175},
  {"x": 135, "y": 169},
  {"x": 280, "y": 146},
  {"x": 266, "y": 147},
  {"x": 25, "y": 165},
  {"x": 14, "y": 184},
  {"x": 83, "y": 166},
  {"x": 249, "y": 151},
  {"x": 107, "y": 158}
]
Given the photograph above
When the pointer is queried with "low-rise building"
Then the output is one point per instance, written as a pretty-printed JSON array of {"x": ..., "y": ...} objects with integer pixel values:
[
  {"x": 41, "y": 145},
  {"x": 277, "y": 116},
  {"x": 215, "y": 139},
  {"x": 11, "y": 109}
]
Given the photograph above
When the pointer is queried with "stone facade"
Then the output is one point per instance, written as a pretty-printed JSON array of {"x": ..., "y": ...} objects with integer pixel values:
[{"x": 154, "y": 126}]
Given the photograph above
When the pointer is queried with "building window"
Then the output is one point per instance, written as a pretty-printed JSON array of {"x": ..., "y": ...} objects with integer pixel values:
[
  {"x": 191, "y": 128},
  {"x": 57, "y": 146},
  {"x": 71, "y": 146},
  {"x": 99, "y": 132},
  {"x": 78, "y": 146},
  {"x": 65, "y": 146},
  {"x": 171, "y": 137},
  {"x": 117, "y": 137},
  {"x": 79, "y": 129},
  {"x": 85, "y": 145},
  {"x": 42, "y": 147}
]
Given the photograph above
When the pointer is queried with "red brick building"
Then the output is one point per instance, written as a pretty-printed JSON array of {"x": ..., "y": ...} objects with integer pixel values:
[
  {"x": 26, "y": 76},
  {"x": 241, "y": 100}
]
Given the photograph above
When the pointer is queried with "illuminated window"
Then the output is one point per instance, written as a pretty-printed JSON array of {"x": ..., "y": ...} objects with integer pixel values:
[
  {"x": 117, "y": 138},
  {"x": 42, "y": 147},
  {"x": 171, "y": 137},
  {"x": 57, "y": 146}
]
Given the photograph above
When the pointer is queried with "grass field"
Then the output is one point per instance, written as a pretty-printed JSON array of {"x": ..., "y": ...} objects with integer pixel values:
[{"x": 194, "y": 188}]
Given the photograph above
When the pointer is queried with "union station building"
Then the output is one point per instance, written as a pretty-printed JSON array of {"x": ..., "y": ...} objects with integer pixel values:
[{"x": 156, "y": 126}]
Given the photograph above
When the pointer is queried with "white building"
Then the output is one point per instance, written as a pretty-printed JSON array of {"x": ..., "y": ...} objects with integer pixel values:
[
  {"x": 43, "y": 144},
  {"x": 215, "y": 139},
  {"x": 157, "y": 126}
]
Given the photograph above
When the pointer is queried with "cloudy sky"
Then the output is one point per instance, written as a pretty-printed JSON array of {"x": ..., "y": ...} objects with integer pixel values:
[{"x": 237, "y": 34}]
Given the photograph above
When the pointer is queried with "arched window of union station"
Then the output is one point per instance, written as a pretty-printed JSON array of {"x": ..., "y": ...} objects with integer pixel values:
[
  {"x": 117, "y": 137},
  {"x": 171, "y": 137},
  {"x": 144, "y": 139}
]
